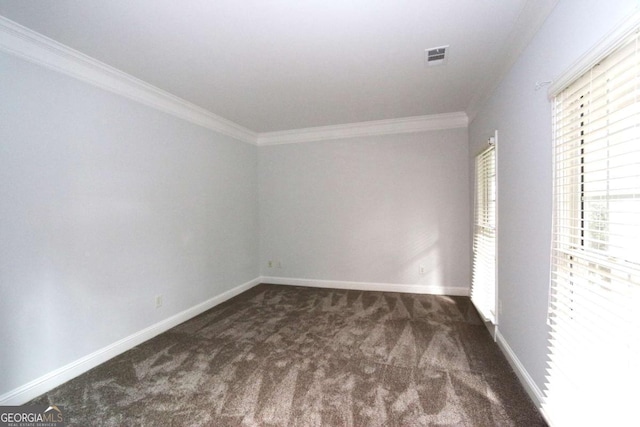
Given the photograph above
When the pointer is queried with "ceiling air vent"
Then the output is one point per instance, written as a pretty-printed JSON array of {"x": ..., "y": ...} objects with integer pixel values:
[{"x": 436, "y": 55}]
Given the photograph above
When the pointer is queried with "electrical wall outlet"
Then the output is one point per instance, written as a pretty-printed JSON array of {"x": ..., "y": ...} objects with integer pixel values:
[
  {"x": 422, "y": 270},
  {"x": 158, "y": 301},
  {"x": 274, "y": 264}
]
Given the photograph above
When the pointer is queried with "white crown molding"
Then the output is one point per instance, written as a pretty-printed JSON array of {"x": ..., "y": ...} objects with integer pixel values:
[
  {"x": 597, "y": 53},
  {"x": 531, "y": 18},
  {"x": 363, "y": 129},
  {"x": 27, "y": 44},
  {"x": 35, "y": 388},
  {"x": 368, "y": 286}
]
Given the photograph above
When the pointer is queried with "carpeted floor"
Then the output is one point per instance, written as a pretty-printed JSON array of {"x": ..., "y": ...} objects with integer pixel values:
[{"x": 294, "y": 356}]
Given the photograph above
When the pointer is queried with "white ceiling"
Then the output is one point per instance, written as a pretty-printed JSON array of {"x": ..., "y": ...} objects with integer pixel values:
[{"x": 272, "y": 65}]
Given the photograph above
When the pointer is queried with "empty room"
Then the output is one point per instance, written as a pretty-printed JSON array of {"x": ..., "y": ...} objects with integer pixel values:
[{"x": 319, "y": 213}]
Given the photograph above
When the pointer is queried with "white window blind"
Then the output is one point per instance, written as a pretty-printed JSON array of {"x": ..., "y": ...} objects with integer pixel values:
[
  {"x": 484, "y": 235},
  {"x": 594, "y": 308}
]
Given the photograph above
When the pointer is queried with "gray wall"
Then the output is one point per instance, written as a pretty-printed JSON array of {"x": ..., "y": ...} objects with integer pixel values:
[
  {"x": 368, "y": 209},
  {"x": 104, "y": 204},
  {"x": 523, "y": 119}
]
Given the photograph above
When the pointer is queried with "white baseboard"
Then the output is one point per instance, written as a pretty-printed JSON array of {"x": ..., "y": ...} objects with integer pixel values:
[
  {"x": 529, "y": 385},
  {"x": 367, "y": 286},
  {"x": 41, "y": 385},
  {"x": 65, "y": 373}
]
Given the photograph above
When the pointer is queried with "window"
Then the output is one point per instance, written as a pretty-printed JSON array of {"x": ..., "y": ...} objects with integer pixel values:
[
  {"x": 594, "y": 306},
  {"x": 484, "y": 235}
]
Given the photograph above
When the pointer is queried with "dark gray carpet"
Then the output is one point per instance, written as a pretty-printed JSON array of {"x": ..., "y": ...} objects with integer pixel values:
[{"x": 294, "y": 356}]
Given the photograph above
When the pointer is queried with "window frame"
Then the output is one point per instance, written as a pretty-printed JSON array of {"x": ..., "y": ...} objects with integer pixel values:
[
  {"x": 593, "y": 290},
  {"x": 485, "y": 233}
]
